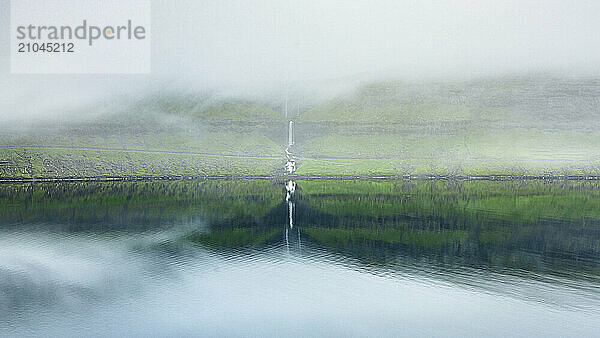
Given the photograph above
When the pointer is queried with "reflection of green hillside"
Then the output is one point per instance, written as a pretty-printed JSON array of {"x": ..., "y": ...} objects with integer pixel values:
[
  {"x": 528, "y": 225},
  {"x": 144, "y": 200},
  {"x": 510, "y": 201},
  {"x": 340, "y": 237}
]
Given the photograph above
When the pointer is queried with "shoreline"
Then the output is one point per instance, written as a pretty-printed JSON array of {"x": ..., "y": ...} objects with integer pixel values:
[{"x": 9, "y": 180}]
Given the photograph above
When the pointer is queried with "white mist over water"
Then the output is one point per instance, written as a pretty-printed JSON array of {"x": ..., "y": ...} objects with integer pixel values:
[{"x": 264, "y": 292}]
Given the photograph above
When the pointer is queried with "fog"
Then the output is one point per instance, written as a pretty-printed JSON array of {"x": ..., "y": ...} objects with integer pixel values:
[{"x": 313, "y": 49}]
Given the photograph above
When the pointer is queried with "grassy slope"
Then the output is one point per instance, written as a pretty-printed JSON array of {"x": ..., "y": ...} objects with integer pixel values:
[
  {"x": 42, "y": 162},
  {"x": 170, "y": 142},
  {"x": 224, "y": 142},
  {"x": 236, "y": 111},
  {"x": 485, "y": 127},
  {"x": 514, "y": 127}
]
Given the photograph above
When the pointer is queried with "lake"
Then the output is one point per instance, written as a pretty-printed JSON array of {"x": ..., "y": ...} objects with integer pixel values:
[{"x": 318, "y": 258}]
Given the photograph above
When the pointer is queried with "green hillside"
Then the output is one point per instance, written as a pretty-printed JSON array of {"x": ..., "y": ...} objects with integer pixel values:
[
  {"x": 236, "y": 111},
  {"x": 163, "y": 135},
  {"x": 539, "y": 125}
]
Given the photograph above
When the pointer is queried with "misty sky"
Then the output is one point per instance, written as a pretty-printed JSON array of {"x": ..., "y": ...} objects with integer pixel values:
[{"x": 256, "y": 46}]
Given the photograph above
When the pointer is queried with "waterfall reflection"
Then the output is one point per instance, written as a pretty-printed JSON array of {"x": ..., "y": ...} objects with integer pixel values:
[{"x": 290, "y": 188}]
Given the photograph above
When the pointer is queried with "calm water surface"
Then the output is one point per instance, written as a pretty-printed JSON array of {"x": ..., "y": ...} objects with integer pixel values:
[{"x": 351, "y": 258}]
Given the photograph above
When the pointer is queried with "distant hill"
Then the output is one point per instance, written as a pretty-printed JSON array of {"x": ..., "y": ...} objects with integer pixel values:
[
  {"x": 387, "y": 102},
  {"x": 156, "y": 135},
  {"x": 507, "y": 125},
  {"x": 527, "y": 99},
  {"x": 203, "y": 107},
  {"x": 236, "y": 111}
]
